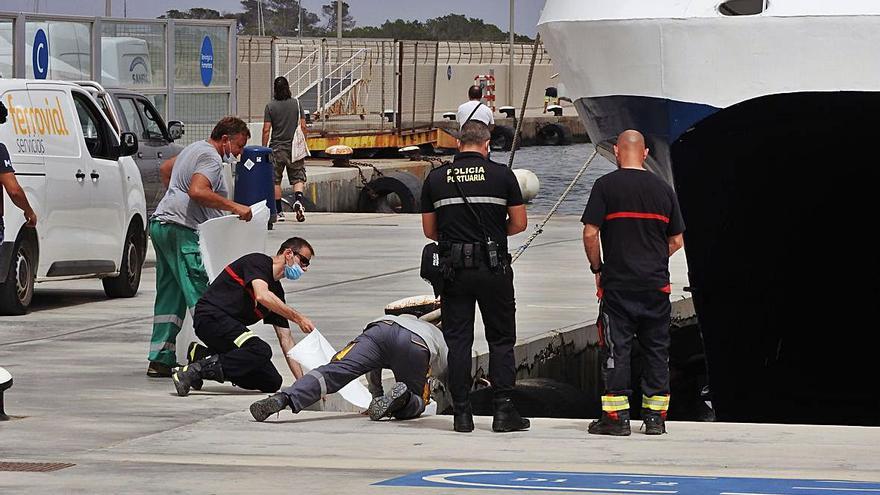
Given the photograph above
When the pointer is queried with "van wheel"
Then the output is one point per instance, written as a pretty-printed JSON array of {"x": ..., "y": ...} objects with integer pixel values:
[
  {"x": 128, "y": 281},
  {"x": 17, "y": 291}
]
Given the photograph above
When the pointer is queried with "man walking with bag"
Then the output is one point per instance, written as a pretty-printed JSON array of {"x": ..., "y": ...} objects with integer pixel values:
[{"x": 285, "y": 121}]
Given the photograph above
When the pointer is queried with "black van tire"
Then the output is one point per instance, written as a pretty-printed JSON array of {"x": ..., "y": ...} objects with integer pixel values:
[
  {"x": 553, "y": 135},
  {"x": 17, "y": 291},
  {"x": 128, "y": 281}
]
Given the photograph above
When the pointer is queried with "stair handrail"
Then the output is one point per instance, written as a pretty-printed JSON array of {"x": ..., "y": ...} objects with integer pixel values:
[
  {"x": 355, "y": 74},
  {"x": 312, "y": 60}
]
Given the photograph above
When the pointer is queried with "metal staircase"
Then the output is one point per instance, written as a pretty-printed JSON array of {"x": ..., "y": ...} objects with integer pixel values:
[{"x": 328, "y": 86}]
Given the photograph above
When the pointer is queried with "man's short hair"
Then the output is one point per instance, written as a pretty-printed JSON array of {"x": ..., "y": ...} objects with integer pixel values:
[
  {"x": 475, "y": 92},
  {"x": 474, "y": 132},
  {"x": 230, "y": 126},
  {"x": 295, "y": 244}
]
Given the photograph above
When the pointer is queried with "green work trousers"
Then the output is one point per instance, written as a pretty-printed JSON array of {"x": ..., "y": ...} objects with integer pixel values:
[{"x": 180, "y": 282}]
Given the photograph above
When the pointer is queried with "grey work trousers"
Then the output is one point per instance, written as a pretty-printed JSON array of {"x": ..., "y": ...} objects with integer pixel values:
[{"x": 382, "y": 345}]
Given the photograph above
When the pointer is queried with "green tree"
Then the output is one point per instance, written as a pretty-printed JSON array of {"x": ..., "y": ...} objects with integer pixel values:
[
  {"x": 280, "y": 17},
  {"x": 329, "y": 12},
  {"x": 196, "y": 13}
]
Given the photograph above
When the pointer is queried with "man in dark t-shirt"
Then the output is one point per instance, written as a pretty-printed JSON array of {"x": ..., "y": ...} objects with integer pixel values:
[
  {"x": 248, "y": 290},
  {"x": 632, "y": 225},
  {"x": 9, "y": 183}
]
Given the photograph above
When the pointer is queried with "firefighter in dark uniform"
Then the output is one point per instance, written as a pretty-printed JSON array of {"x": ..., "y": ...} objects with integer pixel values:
[
  {"x": 470, "y": 207},
  {"x": 247, "y": 291},
  {"x": 413, "y": 349},
  {"x": 633, "y": 221}
]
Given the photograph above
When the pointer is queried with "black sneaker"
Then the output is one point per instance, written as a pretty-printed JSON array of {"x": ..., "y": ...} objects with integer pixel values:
[
  {"x": 653, "y": 424},
  {"x": 273, "y": 404},
  {"x": 609, "y": 426},
  {"x": 299, "y": 210},
  {"x": 389, "y": 403}
]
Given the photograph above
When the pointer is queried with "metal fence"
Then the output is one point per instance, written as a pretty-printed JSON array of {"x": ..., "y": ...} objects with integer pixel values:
[
  {"x": 417, "y": 78},
  {"x": 191, "y": 60},
  {"x": 397, "y": 88}
]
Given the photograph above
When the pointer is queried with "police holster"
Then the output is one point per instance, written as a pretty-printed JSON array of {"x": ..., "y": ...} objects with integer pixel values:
[{"x": 472, "y": 255}]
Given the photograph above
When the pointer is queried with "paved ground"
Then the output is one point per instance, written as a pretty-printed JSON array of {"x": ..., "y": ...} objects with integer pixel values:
[{"x": 81, "y": 396}]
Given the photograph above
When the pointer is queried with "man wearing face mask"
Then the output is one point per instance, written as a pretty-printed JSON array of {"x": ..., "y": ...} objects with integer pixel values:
[
  {"x": 247, "y": 291},
  {"x": 196, "y": 192}
]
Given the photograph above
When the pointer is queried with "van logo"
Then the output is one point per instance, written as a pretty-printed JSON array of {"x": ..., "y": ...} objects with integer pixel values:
[
  {"x": 41, "y": 55},
  {"x": 33, "y": 121},
  {"x": 139, "y": 71}
]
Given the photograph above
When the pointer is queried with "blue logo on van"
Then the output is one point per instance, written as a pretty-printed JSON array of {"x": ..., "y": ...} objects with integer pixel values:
[
  {"x": 206, "y": 61},
  {"x": 139, "y": 71},
  {"x": 41, "y": 55}
]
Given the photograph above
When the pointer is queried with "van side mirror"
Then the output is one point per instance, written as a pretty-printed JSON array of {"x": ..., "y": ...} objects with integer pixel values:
[
  {"x": 175, "y": 130},
  {"x": 128, "y": 144}
]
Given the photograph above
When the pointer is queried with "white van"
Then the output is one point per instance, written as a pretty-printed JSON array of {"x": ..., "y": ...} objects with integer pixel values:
[{"x": 85, "y": 188}]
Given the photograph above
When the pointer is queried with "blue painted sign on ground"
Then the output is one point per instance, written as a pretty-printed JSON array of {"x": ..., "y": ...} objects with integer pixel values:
[
  {"x": 40, "y": 56},
  {"x": 628, "y": 483}
]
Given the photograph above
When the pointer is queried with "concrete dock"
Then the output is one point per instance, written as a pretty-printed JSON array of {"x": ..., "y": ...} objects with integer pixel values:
[{"x": 81, "y": 397}]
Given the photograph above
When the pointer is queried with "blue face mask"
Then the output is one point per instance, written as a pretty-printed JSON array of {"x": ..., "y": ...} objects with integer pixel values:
[{"x": 293, "y": 272}]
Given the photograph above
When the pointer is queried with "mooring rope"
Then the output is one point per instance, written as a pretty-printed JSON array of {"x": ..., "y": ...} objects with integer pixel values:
[
  {"x": 519, "y": 121},
  {"x": 540, "y": 227}
]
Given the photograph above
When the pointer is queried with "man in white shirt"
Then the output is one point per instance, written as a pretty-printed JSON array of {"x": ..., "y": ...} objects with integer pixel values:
[{"x": 475, "y": 109}]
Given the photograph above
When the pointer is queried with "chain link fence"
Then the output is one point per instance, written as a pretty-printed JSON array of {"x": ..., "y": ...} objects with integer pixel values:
[{"x": 417, "y": 78}]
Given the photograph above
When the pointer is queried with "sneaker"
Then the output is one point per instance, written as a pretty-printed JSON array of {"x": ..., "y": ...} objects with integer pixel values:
[
  {"x": 273, "y": 404},
  {"x": 158, "y": 370},
  {"x": 185, "y": 377},
  {"x": 279, "y": 217},
  {"x": 389, "y": 403},
  {"x": 653, "y": 424},
  {"x": 300, "y": 211},
  {"x": 608, "y": 426}
]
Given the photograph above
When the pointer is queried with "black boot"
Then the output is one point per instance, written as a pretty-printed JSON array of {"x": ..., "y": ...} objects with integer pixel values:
[
  {"x": 388, "y": 404},
  {"x": 607, "y": 425},
  {"x": 506, "y": 416},
  {"x": 196, "y": 352},
  {"x": 463, "y": 417},
  {"x": 273, "y": 404},
  {"x": 653, "y": 422},
  {"x": 205, "y": 369}
]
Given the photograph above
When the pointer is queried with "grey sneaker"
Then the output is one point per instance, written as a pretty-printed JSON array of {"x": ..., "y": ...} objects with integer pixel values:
[
  {"x": 389, "y": 403},
  {"x": 273, "y": 404}
]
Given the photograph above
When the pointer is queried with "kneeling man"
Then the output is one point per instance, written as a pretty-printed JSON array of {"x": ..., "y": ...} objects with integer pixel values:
[
  {"x": 246, "y": 291},
  {"x": 412, "y": 349}
]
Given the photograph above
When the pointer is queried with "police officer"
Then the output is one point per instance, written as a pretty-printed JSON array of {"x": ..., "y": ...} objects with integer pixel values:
[
  {"x": 470, "y": 207},
  {"x": 411, "y": 348}
]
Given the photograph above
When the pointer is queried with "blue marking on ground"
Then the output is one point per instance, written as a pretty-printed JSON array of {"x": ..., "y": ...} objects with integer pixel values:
[{"x": 633, "y": 484}]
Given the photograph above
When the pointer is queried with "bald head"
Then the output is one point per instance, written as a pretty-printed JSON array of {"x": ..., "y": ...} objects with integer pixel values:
[{"x": 630, "y": 149}]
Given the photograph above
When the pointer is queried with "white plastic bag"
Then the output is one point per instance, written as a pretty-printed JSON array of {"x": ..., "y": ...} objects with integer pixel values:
[
  {"x": 299, "y": 146},
  {"x": 221, "y": 241},
  {"x": 225, "y": 239},
  {"x": 314, "y": 351}
]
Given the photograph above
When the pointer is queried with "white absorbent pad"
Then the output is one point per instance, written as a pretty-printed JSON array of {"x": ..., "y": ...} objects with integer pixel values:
[{"x": 314, "y": 351}]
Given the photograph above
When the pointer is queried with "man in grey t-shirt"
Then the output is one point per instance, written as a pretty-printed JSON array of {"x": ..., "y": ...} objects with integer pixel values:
[
  {"x": 282, "y": 116},
  {"x": 196, "y": 193}
]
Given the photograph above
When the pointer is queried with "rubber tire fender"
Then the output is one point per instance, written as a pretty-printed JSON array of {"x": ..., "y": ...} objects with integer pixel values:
[
  {"x": 404, "y": 184},
  {"x": 553, "y": 135},
  {"x": 502, "y": 138}
]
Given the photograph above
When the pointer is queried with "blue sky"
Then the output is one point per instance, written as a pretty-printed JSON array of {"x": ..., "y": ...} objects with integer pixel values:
[{"x": 365, "y": 12}]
